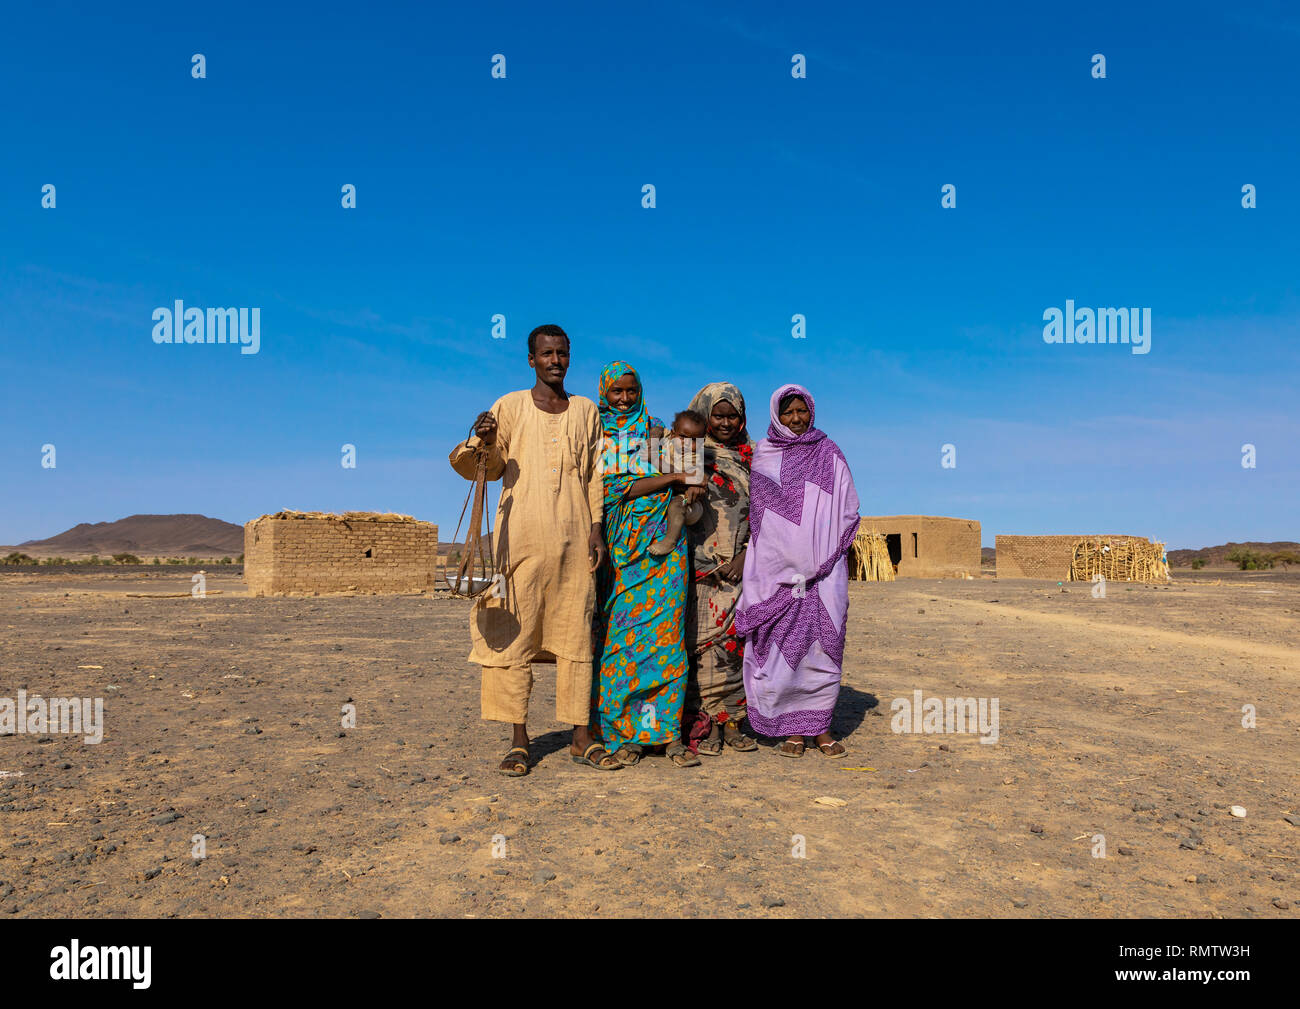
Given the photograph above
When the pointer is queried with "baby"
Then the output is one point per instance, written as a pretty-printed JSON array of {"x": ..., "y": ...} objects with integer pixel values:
[{"x": 679, "y": 454}]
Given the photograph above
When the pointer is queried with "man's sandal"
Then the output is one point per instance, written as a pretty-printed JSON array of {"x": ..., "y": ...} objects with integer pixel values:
[
  {"x": 628, "y": 754},
  {"x": 680, "y": 755},
  {"x": 514, "y": 768},
  {"x": 832, "y": 749},
  {"x": 606, "y": 763},
  {"x": 790, "y": 748},
  {"x": 737, "y": 740}
]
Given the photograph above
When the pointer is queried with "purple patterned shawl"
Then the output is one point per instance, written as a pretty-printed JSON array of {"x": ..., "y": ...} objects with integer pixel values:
[{"x": 803, "y": 515}]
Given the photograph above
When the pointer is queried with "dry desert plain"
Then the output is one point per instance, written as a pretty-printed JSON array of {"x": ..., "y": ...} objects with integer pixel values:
[{"x": 1120, "y": 717}]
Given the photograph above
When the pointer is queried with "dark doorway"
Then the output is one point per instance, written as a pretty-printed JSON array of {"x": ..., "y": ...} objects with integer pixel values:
[
  {"x": 914, "y": 546},
  {"x": 895, "y": 543}
]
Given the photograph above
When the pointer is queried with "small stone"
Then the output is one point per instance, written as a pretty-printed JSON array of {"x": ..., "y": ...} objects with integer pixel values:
[
  {"x": 163, "y": 818},
  {"x": 498, "y": 871},
  {"x": 1281, "y": 905},
  {"x": 542, "y": 876},
  {"x": 258, "y": 807},
  {"x": 1143, "y": 807},
  {"x": 1292, "y": 818},
  {"x": 1020, "y": 903},
  {"x": 1238, "y": 811},
  {"x": 1035, "y": 828},
  {"x": 773, "y": 902},
  {"x": 1124, "y": 849},
  {"x": 1190, "y": 843},
  {"x": 151, "y": 873},
  {"x": 448, "y": 838},
  {"x": 945, "y": 747},
  {"x": 368, "y": 914}
]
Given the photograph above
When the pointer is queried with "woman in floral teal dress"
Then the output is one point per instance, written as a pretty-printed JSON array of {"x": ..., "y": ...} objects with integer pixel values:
[{"x": 640, "y": 658}]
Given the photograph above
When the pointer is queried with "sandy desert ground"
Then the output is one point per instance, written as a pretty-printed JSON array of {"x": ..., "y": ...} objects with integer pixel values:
[{"x": 1119, "y": 717}]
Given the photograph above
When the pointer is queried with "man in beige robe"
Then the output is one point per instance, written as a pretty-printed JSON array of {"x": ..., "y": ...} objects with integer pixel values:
[{"x": 544, "y": 446}]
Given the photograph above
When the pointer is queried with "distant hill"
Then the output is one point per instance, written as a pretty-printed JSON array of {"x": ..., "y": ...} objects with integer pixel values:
[
  {"x": 147, "y": 535},
  {"x": 1213, "y": 556},
  {"x": 1218, "y": 556}
]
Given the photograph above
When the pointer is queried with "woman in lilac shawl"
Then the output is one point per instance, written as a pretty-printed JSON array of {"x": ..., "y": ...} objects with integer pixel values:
[{"x": 803, "y": 515}]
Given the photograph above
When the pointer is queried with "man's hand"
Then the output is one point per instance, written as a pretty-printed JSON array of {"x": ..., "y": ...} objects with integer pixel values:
[
  {"x": 596, "y": 549},
  {"x": 693, "y": 494},
  {"x": 485, "y": 426}
]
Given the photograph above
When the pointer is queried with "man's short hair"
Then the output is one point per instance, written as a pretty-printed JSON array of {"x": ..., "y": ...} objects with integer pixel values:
[{"x": 549, "y": 329}]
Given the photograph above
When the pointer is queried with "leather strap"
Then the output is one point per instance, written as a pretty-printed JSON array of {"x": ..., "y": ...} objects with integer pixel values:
[{"x": 474, "y": 540}]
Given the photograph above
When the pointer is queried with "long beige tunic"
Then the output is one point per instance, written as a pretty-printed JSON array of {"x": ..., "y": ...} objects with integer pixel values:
[{"x": 551, "y": 494}]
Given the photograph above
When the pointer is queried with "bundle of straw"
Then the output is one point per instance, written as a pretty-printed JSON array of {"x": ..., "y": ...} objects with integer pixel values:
[
  {"x": 289, "y": 513},
  {"x": 1118, "y": 559},
  {"x": 869, "y": 557}
]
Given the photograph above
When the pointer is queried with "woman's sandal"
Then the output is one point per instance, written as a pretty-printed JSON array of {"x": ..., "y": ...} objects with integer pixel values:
[
  {"x": 514, "y": 768},
  {"x": 709, "y": 747},
  {"x": 628, "y": 754},
  {"x": 790, "y": 748},
  {"x": 680, "y": 755},
  {"x": 737, "y": 740},
  {"x": 608, "y": 762},
  {"x": 830, "y": 750}
]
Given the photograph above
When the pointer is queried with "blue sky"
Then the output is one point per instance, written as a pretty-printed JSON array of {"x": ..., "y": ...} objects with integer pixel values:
[{"x": 775, "y": 196}]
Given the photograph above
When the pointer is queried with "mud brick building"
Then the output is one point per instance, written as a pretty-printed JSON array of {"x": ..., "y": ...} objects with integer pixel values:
[
  {"x": 1043, "y": 556},
  {"x": 310, "y": 553},
  {"x": 928, "y": 546}
]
